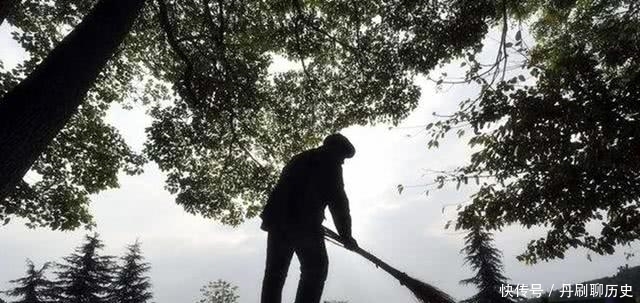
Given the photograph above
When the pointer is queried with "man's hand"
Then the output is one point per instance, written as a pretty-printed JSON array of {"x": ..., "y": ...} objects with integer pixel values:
[{"x": 350, "y": 243}]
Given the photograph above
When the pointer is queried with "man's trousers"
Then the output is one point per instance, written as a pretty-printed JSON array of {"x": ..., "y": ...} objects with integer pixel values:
[{"x": 312, "y": 254}]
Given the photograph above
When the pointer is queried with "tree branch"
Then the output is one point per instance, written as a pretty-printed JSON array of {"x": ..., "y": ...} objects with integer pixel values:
[{"x": 175, "y": 46}]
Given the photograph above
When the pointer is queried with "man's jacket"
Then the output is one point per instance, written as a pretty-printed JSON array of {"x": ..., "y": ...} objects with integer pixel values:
[{"x": 310, "y": 181}]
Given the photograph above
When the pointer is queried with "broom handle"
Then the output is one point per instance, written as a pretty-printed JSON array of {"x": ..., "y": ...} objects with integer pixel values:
[{"x": 375, "y": 260}]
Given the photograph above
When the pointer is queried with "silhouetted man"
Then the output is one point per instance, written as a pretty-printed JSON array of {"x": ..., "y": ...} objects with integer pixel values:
[{"x": 293, "y": 217}]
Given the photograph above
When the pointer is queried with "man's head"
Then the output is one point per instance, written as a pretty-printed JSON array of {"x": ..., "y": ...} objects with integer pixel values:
[{"x": 339, "y": 145}]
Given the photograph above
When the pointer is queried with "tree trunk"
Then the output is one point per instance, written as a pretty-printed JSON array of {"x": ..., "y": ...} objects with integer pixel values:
[
  {"x": 33, "y": 113},
  {"x": 6, "y": 6}
]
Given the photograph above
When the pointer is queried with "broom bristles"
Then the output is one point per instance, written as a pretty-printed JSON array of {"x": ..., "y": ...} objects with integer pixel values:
[
  {"x": 424, "y": 292},
  {"x": 427, "y": 293}
]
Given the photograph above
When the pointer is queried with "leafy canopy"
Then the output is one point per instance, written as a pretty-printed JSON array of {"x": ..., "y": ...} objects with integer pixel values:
[
  {"x": 557, "y": 145},
  {"x": 223, "y": 122}
]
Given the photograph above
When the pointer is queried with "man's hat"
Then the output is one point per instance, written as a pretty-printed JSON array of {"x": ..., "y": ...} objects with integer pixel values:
[{"x": 341, "y": 142}]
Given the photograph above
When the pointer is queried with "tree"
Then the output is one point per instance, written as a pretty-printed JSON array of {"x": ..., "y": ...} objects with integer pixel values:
[
  {"x": 34, "y": 287},
  {"x": 219, "y": 291},
  {"x": 131, "y": 284},
  {"x": 226, "y": 123},
  {"x": 34, "y": 111},
  {"x": 86, "y": 275},
  {"x": 486, "y": 260},
  {"x": 554, "y": 143},
  {"x": 5, "y": 7}
]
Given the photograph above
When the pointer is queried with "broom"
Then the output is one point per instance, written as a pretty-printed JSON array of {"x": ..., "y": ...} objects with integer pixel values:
[{"x": 424, "y": 292}]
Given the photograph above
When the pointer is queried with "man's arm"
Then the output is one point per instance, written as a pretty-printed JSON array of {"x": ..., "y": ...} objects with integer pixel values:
[{"x": 339, "y": 207}]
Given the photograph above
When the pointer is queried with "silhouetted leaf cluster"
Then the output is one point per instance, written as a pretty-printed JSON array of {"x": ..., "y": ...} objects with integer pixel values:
[
  {"x": 222, "y": 121},
  {"x": 558, "y": 144}
]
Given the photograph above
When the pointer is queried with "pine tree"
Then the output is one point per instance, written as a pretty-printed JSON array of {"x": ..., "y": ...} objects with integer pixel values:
[
  {"x": 131, "y": 284},
  {"x": 486, "y": 260},
  {"x": 86, "y": 275},
  {"x": 34, "y": 287}
]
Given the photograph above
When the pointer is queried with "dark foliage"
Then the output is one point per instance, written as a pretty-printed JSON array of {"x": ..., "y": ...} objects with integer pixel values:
[
  {"x": 131, "y": 283},
  {"x": 556, "y": 140},
  {"x": 34, "y": 287},
  {"x": 86, "y": 275},
  {"x": 231, "y": 122},
  {"x": 35, "y": 110},
  {"x": 486, "y": 260}
]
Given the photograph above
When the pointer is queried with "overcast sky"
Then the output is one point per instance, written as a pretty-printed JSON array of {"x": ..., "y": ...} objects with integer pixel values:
[{"x": 406, "y": 230}]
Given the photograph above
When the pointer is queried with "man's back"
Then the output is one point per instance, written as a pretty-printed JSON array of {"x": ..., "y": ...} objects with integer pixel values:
[{"x": 307, "y": 183}]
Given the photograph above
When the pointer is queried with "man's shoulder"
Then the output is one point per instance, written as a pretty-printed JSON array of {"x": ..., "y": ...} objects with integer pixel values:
[
  {"x": 298, "y": 162},
  {"x": 314, "y": 158},
  {"x": 305, "y": 156}
]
